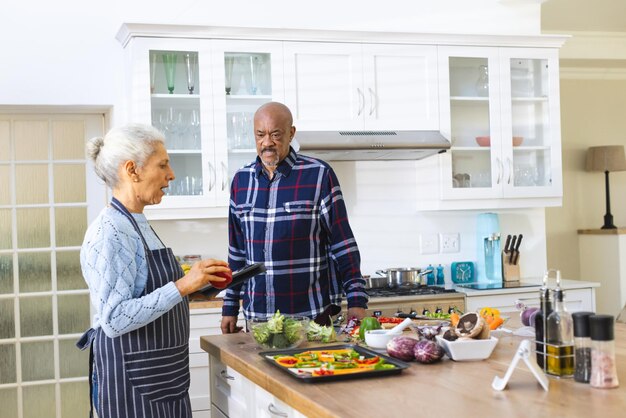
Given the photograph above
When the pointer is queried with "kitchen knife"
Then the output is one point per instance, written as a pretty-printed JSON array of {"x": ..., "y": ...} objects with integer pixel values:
[
  {"x": 506, "y": 244},
  {"x": 516, "y": 251},
  {"x": 511, "y": 248}
]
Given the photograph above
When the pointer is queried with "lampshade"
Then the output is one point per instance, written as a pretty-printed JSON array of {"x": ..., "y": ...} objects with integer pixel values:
[{"x": 606, "y": 158}]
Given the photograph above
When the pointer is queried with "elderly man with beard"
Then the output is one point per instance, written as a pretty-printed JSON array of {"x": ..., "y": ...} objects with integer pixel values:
[{"x": 287, "y": 211}]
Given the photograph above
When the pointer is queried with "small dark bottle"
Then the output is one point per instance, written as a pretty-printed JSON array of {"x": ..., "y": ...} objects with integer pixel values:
[
  {"x": 545, "y": 309},
  {"x": 582, "y": 346}
]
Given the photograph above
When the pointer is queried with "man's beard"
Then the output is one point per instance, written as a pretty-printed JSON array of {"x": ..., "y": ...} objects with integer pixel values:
[{"x": 272, "y": 163}]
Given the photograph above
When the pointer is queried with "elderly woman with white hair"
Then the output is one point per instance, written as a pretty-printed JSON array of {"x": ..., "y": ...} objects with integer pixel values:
[{"x": 139, "y": 361}]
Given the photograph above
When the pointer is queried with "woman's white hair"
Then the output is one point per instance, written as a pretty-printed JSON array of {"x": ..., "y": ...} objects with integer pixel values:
[{"x": 133, "y": 142}]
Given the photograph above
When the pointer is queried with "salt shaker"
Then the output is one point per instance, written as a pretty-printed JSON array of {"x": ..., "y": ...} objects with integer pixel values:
[
  {"x": 582, "y": 346},
  {"x": 603, "y": 370}
]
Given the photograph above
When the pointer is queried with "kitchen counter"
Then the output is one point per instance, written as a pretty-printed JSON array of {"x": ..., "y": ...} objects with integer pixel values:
[
  {"x": 529, "y": 285},
  {"x": 446, "y": 388},
  {"x": 566, "y": 284}
]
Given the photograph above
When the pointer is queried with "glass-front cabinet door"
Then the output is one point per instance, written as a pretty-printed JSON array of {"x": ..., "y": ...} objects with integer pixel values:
[
  {"x": 531, "y": 117},
  {"x": 246, "y": 75},
  {"x": 499, "y": 107},
  {"x": 172, "y": 91}
]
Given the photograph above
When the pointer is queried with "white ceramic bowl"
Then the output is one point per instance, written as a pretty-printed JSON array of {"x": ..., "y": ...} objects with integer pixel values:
[
  {"x": 378, "y": 338},
  {"x": 464, "y": 350}
]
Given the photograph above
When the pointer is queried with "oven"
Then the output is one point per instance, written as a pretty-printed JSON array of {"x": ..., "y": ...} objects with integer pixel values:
[{"x": 388, "y": 302}]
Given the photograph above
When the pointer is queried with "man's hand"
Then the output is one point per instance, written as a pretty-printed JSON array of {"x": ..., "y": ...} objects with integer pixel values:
[
  {"x": 359, "y": 313},
  {"x": 229, "y": 325}
]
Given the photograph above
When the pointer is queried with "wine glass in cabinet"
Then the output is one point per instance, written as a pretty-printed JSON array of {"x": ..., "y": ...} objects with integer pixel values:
[{"x": 251, "y": 75}]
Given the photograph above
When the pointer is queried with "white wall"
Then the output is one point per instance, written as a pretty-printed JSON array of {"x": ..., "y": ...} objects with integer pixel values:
[{"x": 65, "y": 53}]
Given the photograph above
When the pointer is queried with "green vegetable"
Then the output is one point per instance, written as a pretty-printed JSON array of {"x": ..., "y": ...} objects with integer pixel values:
[
  {"x": 368, "y": 323},
  {"x": 321, "y": 333},
  {"x": 278, "y": 331}
]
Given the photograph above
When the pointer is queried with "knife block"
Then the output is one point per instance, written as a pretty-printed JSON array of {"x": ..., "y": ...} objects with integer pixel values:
[{"x": 510, "y": 272}]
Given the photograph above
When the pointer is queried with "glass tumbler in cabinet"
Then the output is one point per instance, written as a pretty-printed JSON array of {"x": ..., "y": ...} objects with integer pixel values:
[
  {"x": 530, "y": 120},
  {"x": 176, "y": 112},
  {"x": 248, "y": 85}
]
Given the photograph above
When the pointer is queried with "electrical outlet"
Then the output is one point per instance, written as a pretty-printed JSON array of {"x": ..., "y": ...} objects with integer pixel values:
[
  {"x": 450, "y": 243},
  {"x": 429, "y": 244}
]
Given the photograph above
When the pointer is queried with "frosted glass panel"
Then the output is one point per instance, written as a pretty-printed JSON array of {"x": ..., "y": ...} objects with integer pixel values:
[
  {"x": 36, "y": 316},
  {"x": 69, "y": 275},
  {"x": 6, "y": 232},
  {"x": 73, "y": 313},
  {"x": 7, "y": 319},
  {"x": 5, "y": 140},
  {"x": 31, "y": 184},
  {"x": 33, "y": 228},
  {"x": 72, "y": 361},
  {"x": 34, "y": 272},
  {"x": 8, "y": 373},
  {"x": 69, "y": 183},
  {"x": 68, "y": 140},
  {"x": 75, "y": 400},
  {"x": 8, "y": 400},
  {"x": 71, "y": 224},
  {"x": 39, "y": 401},
  {"x": 37, "y": 361},
  {"x": 31, "y": 140},
  {"x": 6, "y": 273},
  {"x": 5, "y": 185}
]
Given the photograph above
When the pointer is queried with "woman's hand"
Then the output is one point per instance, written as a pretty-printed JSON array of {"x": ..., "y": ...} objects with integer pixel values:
[{"x": 202, "y": 273}]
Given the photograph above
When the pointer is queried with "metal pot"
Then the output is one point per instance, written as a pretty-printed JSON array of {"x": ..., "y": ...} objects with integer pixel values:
[
  {"x": 405, "y": 276},
  {"x": 375, "y": 282}
]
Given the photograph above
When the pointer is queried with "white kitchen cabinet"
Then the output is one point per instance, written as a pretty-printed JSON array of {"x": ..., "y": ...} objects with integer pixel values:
[
  {"x": 235, "y": 396},
  {"x": 267, "y": 405},
  {"x": 208, "y": 130},
  {"x": 231, "y": 394},
  {"x": 578, "y": 297},
  {"x": 356, "y": 86},
  {"x": 247, "y": 74},
  {"x": 500, "y": 109},
  {"x": 170, "y": 86},
  {"x": 202, "y": 322}
]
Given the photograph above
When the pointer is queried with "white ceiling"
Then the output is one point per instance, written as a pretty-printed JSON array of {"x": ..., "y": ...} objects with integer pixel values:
[{"x": 584, "y": 15}]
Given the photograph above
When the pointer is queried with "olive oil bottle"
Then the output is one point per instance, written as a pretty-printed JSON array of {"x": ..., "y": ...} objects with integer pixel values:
[{"x": 559, "y": 337}]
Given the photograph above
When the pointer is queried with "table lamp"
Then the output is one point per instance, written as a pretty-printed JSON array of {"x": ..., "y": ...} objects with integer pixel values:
[{"x": 606, "y": 158}]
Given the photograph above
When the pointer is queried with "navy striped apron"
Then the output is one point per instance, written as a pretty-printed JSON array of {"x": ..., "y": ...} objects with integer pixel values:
[{"x": 145, "y": 372}]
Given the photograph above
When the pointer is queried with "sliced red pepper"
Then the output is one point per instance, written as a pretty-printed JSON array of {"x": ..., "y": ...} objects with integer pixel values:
[
  {"x": 286, "y": 361},
  {"x": 371, "y": 360}
]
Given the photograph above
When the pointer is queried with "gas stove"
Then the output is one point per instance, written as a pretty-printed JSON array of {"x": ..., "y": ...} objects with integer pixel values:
[
  {"x": 413, "y": 300},
  {"x": 383, "y": 292}
]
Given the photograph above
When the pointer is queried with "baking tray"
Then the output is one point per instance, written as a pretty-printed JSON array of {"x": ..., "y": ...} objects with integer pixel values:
[{"x": 366, "y": 352}]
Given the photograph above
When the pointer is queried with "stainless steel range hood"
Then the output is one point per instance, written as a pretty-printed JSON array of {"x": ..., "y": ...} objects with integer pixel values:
[{"x": 371, "y": 145}]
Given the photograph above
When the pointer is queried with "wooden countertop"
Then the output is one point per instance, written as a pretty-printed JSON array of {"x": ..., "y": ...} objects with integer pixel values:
[{"x": 446, "y": 388}]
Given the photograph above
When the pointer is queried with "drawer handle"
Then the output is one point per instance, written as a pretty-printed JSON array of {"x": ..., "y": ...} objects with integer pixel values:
[
  {"x": 275, "y": 411},
  {"x": 226, "y": 375}
]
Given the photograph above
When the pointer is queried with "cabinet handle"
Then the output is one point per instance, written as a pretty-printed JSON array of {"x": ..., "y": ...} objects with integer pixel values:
[
  {"x": 212, "y": 176},
  {"x": 510, "y": 170},
  {"x": 226, "y": 375},
  {"x": 499, "y": 170},
  {"x": 275, "y": 411},
  {"x": 361, "y": 101},
  {"x": 373, "y": 101},
  {"x": 224, "y": 179}
]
